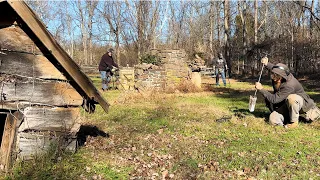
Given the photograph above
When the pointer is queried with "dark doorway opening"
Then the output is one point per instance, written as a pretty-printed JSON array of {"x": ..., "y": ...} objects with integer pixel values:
[{"x": 3, "y": 117}]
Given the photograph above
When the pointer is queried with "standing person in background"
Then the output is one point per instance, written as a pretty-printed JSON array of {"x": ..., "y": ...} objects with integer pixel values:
[
  {"x": 105, "y": 67},
  {"x": 220, "y": 66}
]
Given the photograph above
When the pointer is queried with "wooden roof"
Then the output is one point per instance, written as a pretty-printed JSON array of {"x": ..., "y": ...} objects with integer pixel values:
[{"x": 12, "y": 11}]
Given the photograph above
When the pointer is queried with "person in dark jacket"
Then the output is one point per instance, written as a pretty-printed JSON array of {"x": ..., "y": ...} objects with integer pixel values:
[
  {"x": 105, "y": 67},
  {"x": 288, "y": 100},
  {"x": 220, "y": 67}
]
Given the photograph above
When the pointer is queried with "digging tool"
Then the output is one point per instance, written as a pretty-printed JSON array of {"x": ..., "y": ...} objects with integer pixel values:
[{"x": 253, "y": 99}]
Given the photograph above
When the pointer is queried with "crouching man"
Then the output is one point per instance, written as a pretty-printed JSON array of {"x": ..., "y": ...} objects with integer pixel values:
[{"x": 288, "y": 100}]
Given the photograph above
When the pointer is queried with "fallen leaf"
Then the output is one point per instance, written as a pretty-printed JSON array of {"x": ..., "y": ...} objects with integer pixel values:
[{"x": 165, "y": 174}]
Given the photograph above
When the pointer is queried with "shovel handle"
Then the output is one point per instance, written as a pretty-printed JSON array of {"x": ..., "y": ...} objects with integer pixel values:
[{"x": 255, "y": 93}]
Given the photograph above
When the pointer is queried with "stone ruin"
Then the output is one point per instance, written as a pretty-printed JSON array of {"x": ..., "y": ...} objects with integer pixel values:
[{"x": 173, "y": 69}]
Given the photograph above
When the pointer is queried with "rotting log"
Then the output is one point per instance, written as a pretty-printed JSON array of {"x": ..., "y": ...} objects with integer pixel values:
[
  {"x": 41, "y": 92},
  {"x": 51, "y": 119},
  {"x": 28, "y": 65}
]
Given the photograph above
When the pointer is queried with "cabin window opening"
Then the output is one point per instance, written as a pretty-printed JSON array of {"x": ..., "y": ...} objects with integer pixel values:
[{"x": 3, "y": 117}]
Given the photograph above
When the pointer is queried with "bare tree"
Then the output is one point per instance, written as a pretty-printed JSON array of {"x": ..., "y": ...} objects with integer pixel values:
[
  {"x": 112, "y": 13},
  {"x": 227, "y": 33},
  {"x": 85, "y": 14},
  {"x": 211, "y": 30},
  {"x": 91, "y": 6},
  {"x": 242, "y": 12}
]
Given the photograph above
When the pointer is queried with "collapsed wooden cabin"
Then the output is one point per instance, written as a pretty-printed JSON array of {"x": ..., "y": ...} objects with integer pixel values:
[{"x": 41, "y": 87}]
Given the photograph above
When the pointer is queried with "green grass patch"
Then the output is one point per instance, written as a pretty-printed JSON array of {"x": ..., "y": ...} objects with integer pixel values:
[{"x": 180, "y": 136}]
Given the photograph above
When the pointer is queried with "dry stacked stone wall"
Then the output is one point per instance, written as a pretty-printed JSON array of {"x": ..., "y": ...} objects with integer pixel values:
[
  {"x": 150, "y": 78},
  {"x": 174, "y": 68}
]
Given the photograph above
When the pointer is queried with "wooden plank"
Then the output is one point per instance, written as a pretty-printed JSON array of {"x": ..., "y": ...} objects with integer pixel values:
[
  {"x": 8, "y": 105},
  {"x": 54, "y": 52},
  {"x": 13, "y": 38},
  {"x": 41, "y": 92},
  {"x": 31, "y": 143},
  {"x": 28, "y": 65},
  {"x": 50, "y": 119},
  {"x": 8, "y": 140}
]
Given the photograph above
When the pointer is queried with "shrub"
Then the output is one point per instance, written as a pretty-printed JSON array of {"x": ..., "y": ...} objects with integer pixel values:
[{"x": 150, "y": 59}]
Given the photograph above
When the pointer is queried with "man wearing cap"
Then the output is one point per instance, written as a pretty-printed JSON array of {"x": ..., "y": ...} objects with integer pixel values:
[
  {"x": 220, "y": 66},
  {"x": 105, "y": 67},
  {"x": 288, "y": 100}
]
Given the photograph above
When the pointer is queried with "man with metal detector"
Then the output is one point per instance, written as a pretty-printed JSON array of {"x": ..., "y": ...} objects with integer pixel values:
[
  {"x": 288, "y": 100},
  {"x": 105, "y": 67},
  {"x": 220, "y": 66}
]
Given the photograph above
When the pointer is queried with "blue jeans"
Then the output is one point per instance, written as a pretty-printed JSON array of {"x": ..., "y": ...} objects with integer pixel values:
[
  {"x": 105, "y": 77},
  {"x": 223, "y": 76}
]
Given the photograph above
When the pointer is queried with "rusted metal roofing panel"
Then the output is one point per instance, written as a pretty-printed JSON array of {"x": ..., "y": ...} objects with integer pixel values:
[{"x": 37, "y": 31}]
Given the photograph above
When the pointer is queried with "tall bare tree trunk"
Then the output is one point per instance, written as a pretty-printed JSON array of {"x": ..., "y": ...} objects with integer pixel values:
[
  {"x": 266, "y": 19},
  {"x": 227, "y": 33},
  {"x": 255, "y": 34},
  {"x": 242, "y": 12},
  {"x": 71, "y": 35},
  {"x": 91, "y": 6},
  {"x": 255, "y": 21},
  {"x": 84, "y": 44},
  {"x": 84, "y": 36},
  {"x": 218, "y": 23},
  {"x": 311, "y": 19},
  {"x": 117, "y": 32},
  {"x": 211, "y": 26}
]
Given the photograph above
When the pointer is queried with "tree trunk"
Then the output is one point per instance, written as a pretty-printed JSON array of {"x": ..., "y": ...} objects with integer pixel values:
[
  {"x": 255, "y": 34},
  {"x": 211, "y": 26},
  {"x": 311, "y": 19},
  {"x": 218, "y": 23},
  {"x": 242, "y": 12},
  {"x": 83, "y": 32},
  {"x": 255, "y": 22},
  {"x": 227, "y": 33}
]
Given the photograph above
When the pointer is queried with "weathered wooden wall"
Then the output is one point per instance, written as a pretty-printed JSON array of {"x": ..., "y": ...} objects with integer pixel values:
[
  {"x": 50, "y": 119},
  {"x": 52, "y": 93},
  {"x": 13, "y": 38},
  {"x": 31, "y": 85},
  {"x": 29, "y": 65}
]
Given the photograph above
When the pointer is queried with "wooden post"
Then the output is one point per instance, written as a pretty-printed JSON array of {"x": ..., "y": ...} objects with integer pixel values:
[{"x": 8, "y": 139}]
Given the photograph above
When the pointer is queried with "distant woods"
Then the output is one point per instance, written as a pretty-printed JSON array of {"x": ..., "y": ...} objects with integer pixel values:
[{"x": 244, "y": 31}]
